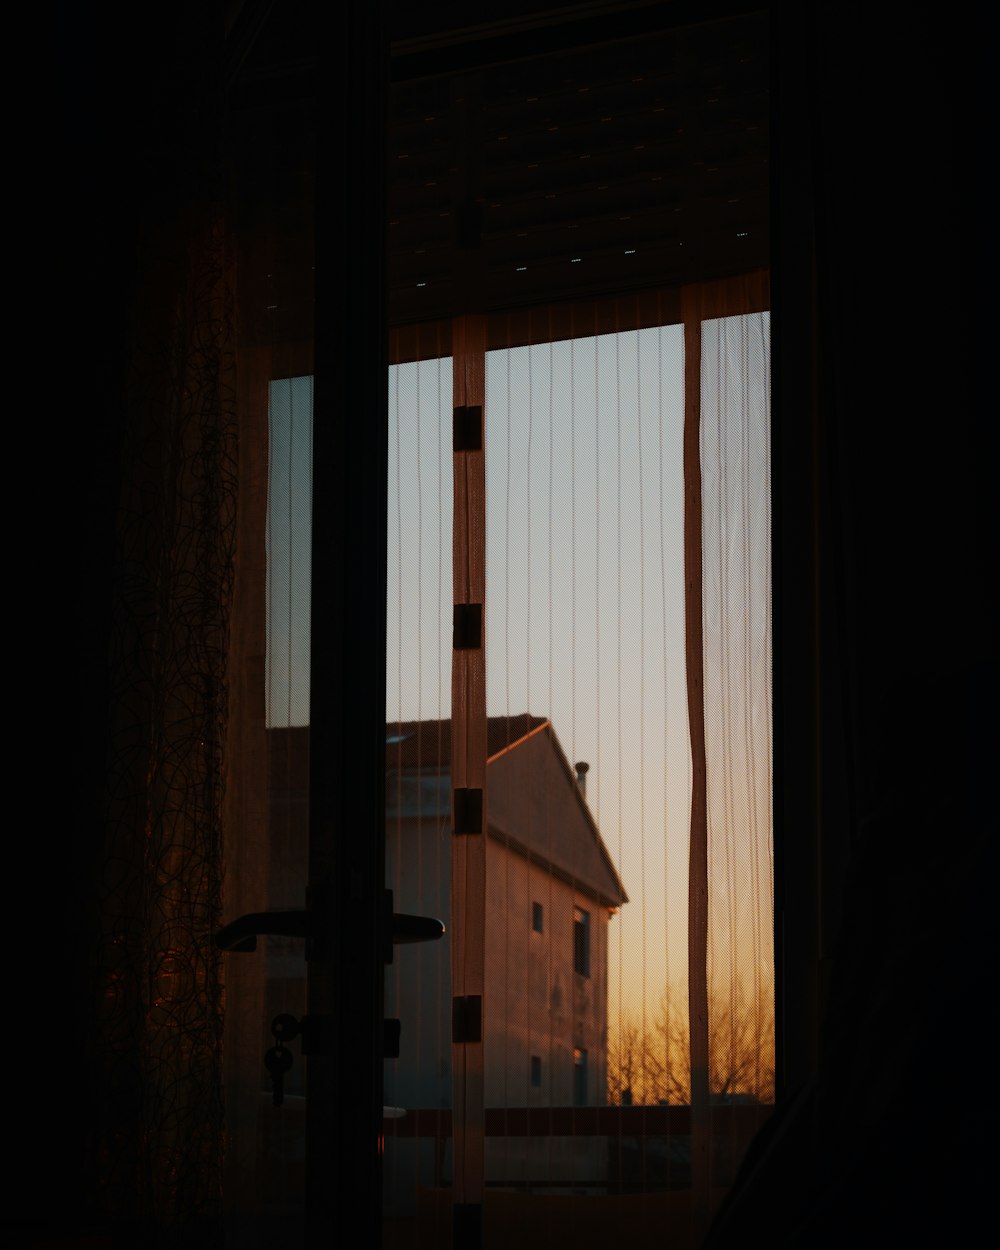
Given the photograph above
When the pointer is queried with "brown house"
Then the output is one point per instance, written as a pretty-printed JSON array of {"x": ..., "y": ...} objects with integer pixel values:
[{"x": 550, "y": 890}]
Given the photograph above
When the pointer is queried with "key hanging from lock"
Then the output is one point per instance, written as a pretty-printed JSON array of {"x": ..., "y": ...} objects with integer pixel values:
[
  {"x": 279, "y": 1058},
  {"x": 277, "y": 1061}
]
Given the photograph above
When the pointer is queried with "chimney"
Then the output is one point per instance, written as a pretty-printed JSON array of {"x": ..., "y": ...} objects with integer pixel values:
[{"x": 582, "y": 768}]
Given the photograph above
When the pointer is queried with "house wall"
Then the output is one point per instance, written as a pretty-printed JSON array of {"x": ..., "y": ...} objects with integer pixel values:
[
  {"x": 418, "y": 989},
  {"x": 537, "y": 1005},
  {"x": 418, "y": 981}
]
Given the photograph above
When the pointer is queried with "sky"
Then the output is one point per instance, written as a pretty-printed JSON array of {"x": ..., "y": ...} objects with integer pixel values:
[
  {"x": 584, "y": 592},
  {"x": 584, "y": 605}
]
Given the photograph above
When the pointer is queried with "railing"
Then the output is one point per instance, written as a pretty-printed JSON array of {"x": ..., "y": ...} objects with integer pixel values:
[
  {"x": 609, "y": 1121},
  {"x": 649, "y": 1146}
]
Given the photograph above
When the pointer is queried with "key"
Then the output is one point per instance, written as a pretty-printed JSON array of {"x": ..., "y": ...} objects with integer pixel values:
[
  {"x": 277, "y": 1061},
  {"x": 285, "y": 1028}
]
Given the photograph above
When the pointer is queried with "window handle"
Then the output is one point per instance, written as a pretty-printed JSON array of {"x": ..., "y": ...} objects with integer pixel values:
[
  {"x": 407, "y": 928},
  {"x": 242, "y": 934},
  {"x": 402, "y": 928}
]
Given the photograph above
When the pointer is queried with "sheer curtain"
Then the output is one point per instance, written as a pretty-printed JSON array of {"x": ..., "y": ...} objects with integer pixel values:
[
  {"x": 609, "y": 670},
  {"x": 728, "y": 610},
  {"x": 156, "y": 1136}
]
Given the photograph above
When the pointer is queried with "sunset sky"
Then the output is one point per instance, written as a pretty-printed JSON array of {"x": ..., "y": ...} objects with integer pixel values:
[{"x": 584, "y": 604}]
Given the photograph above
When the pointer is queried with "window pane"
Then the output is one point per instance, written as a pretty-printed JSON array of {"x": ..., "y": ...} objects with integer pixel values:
[{"x": 581, "y": 941}]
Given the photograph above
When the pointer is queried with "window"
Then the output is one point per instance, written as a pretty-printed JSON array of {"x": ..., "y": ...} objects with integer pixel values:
[
  {"x": 581, "y": 942},
  {"x": 579, "y": 1077},
  {"x": 571, "y": 662}
]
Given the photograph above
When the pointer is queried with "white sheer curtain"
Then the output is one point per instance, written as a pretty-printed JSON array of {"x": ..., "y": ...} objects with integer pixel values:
[
  {"x": 588, "y": 613},
  {"x": 735, "y": 875}
]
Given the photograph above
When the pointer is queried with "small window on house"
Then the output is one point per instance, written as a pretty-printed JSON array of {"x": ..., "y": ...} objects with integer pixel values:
[
  {"x": 536, "y": 1071},
  {"x": 579, "y": 1077},
  {"x": 581, "y": 941},
  {"x": 536, "y": 917}
]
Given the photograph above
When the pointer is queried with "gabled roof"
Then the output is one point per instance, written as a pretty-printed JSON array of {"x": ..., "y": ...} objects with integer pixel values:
[
  {"x": 427, "y": 743},
  {"x": 534, "y": 803}
]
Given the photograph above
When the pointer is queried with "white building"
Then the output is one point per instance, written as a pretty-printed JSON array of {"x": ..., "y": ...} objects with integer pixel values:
[{"x": 551, "y": 888}]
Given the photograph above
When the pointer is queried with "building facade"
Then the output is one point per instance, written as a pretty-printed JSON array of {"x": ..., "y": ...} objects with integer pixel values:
[{"x": 551, "y": 890}]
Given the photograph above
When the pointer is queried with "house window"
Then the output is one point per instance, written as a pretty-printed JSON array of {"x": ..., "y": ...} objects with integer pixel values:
[
  {"x": 536, "y": 1071},
  {"x": 581, "y": 941},
  {"x": 536, "y": 917},
  {"x": 579, "y": 1077}
]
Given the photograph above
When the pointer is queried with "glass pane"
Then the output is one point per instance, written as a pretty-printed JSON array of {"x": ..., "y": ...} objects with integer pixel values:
[
  {"x": 267, "y": 849},
  {"x": 585, "y": 1013},
  {"x": 585, "y": 633},
  {"x": 418, "y": 1083}
]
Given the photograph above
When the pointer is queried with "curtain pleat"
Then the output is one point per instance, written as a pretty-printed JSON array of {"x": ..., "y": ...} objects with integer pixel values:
[{"x": 730, "y": 612}]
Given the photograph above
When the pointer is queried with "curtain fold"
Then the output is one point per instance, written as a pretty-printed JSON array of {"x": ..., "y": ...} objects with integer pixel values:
[
  {"x": 727, "y": 544},
  {"x": 158, "y": 1137}
]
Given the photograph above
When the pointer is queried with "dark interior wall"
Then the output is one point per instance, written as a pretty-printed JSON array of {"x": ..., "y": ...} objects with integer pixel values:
[
  {"x": 885, "y": 661},
  {"x": 123, "y": 137},
  {"x": 885, "y": 638}
]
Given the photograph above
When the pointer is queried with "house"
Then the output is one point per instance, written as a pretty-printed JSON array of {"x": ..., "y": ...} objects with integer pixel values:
[{"x": 551, "y": 889}]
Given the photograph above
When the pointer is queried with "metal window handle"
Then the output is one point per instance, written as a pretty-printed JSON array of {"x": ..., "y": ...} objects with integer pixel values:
[
  {"x": 242, "y": 934},
  {"x": 407, "y": 928}
]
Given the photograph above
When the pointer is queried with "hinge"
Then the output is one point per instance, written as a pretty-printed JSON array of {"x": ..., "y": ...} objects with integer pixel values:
[
  {"x": 467, "y": 1018},
  {"x": 467, "y": 428},
  {"x": 467, "y": 632},
  {"x": 468, "y": 811}
]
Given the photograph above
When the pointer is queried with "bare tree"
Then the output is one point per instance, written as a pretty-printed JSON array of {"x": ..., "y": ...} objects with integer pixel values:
[
  {"x": 636, "y": 1070},
  {"x": 655, "y": 1064},
  {"x": 741, "y": 1047}
]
